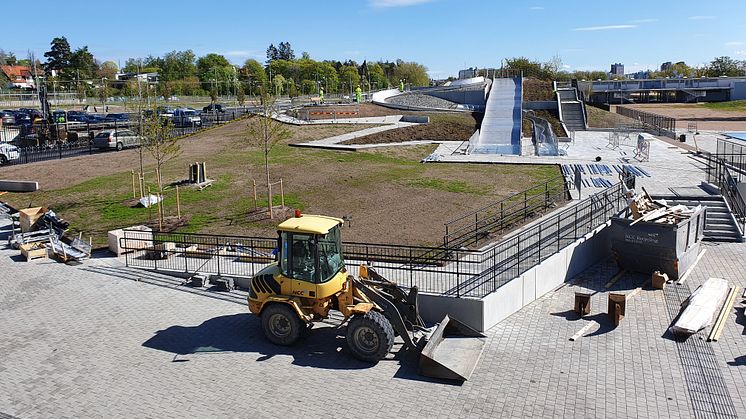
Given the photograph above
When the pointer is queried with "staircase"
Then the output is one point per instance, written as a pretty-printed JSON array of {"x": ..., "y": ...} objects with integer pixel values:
[
  {"x": 719, "y": 224},
  {"x": 572, "y": 113}
]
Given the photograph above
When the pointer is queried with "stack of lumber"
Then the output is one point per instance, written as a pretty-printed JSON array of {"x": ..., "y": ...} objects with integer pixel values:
[
  {"x": 644, "y": 208},
  {"x": 701, "y": 307}
]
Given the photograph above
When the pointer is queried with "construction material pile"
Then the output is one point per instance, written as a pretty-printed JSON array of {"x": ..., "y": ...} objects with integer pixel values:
[
  {"x": 39, "y": 233},
  {"x": 644, "y": 208}
]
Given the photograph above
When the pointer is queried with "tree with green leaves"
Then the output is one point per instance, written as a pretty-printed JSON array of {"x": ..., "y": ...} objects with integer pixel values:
[
  {"x": 157, "y": 139},
  {"x": 265, "y": 132},
  {"x": 725, "y": 66},
  {"x": 253, "y": 71},
  {"x": 108, "y": 69},
  {"x": 278, "y": 83},
  {"x": 58, "y": 56},
  {"x": 214, "y": 67},
  {"x": 415, "y": 74},
  {"x": 240, "y": 95}
]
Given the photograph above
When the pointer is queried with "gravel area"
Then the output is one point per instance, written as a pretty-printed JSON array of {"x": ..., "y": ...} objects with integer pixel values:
[{"x": 421, "y": 100}]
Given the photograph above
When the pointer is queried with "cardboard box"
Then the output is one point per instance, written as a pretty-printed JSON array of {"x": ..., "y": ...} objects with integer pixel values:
[{"x": 30, "y": 216}]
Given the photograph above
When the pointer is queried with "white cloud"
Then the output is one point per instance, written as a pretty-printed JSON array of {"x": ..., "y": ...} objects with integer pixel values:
[
  {"x": 565, "y": 66},
  {"x": 701, "y": 17},
  {"x": 536, "y": 8},
  {"x": 605, "y": 28},
  {"x": 740, "y": 52},
  {"x": 396, "y": 3},
  {"x": 648, "y": 20},
  {"x": 734, "y": 43}
]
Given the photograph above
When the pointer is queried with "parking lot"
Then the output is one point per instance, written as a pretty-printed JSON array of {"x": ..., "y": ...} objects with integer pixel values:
[{"x": 99, "y": 339}]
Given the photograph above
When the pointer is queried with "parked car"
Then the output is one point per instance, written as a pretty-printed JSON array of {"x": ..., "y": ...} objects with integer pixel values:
[
  {"x": 117, "y": 117},
  {"x": 8, "y": 152},
  {"x": 116, "y": 139},
  {"x": 187, "y": 118},
  {"x": 8, "y": 117},
  {"x": 214, "y": 107},
  {"x": 22, "y": 118},
  {"x": 77, "y": 116}
]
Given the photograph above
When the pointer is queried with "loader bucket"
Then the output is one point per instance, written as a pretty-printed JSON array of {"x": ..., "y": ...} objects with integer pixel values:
[{"x": 452, "y": 352}]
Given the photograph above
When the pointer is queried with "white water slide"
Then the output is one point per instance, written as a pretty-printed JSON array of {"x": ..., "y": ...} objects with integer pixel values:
[{"x": 501, "y": 127}]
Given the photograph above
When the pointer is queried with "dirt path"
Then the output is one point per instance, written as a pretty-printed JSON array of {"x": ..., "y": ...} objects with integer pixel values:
[{"x": 706, "y": 119}]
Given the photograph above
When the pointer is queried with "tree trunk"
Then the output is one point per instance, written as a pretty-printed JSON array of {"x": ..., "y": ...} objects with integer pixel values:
[
  {"x": 160, "y": 202},
  {"x": 266, "y": 169}
]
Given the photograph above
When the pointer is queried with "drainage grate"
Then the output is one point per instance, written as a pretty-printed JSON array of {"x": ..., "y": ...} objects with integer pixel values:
[{"x": 704, "y": 379}]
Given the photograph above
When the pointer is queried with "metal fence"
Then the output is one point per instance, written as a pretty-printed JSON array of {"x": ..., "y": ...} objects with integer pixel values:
[
  {"x": 661, "y": 125},
  {"x": 726, "y": 168},
  {"x": 475, "y": 226},
  {"x": 436, "y": 270},
  {"x": 81, "y": 142}
]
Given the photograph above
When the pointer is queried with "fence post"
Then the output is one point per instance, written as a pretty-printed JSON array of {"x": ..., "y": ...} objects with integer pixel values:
[
  {"x": 525, "y": 205},
  {"x": 476, "y": 228},
  {"x": 217, "y": 250},
  {"x": 539, "y": 243},
  {"x": 411, "y": 269},
  {"x": 559, "y": 236},
  {"x": 59, "y": 148}
]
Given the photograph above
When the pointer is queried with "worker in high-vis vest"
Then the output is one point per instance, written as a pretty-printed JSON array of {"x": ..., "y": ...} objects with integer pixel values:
[
  {"x": 401, "y": 85},
  {"x": 321, "y": 95},
  {"x": 358, "y": 95}
]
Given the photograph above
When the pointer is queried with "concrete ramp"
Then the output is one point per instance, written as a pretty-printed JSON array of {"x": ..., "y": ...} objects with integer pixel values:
[{"x": 501, "y": 127}]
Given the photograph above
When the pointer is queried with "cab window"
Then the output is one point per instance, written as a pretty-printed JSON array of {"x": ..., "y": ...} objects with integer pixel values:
[{"x": 298, "y": 257}]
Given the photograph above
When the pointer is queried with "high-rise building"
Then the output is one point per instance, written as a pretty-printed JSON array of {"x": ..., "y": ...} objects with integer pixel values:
[{"x": 617, "y": 69}]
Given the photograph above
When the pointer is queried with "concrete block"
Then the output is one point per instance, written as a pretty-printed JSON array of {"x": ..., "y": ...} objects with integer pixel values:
[
  {"x": 18, "y": 186},
  {"x": 503, "y": 302},
  {"x": 466, "y": 310},
  {"x": 135, "y": 240},
  {"x": 528, "y": 282}
]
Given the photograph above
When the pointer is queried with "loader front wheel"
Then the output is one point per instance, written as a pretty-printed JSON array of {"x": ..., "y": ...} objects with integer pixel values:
[
  {"x": 281, "y": 324},
  {"x": 370, "y": 336}
]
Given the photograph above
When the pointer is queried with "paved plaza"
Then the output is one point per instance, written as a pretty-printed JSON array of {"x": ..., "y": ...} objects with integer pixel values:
[{"x": 100, "y": 339}]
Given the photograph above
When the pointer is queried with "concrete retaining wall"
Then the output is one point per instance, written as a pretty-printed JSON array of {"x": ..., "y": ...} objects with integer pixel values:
[
  {"x": 18, "y": 186},
  {"x": 540, "y": 104},
  {"x": 516, "y": 294}
]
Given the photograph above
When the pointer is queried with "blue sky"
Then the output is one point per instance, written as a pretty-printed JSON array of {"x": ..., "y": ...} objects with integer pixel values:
[{"x": 444, "y": 35}]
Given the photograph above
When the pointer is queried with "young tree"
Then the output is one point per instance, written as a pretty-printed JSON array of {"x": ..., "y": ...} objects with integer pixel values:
[
  {"x": 108, "y": 69},
  {"x": 156, "y": 138},
  {"x": 264, "y": 131}
]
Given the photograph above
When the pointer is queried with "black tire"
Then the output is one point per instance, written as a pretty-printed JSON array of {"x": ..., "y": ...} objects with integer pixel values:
[
  {"x": 3, "y": 160},
  {"x": 120, "y": 146},
  {"x": 370, "y": 337},
  {"x": 281, "y": 324}
]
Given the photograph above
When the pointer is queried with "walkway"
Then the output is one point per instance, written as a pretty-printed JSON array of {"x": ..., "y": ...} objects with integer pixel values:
[{"x": 101, "y": 340}]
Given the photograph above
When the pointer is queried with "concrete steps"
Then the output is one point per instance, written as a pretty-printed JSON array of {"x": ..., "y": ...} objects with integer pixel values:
[
  {"x": 719, "y": 224},
  {"x": 572, "y": 109}
]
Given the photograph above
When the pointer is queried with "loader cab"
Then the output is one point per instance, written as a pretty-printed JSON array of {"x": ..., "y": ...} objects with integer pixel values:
[{"x": 310, "y": 254}]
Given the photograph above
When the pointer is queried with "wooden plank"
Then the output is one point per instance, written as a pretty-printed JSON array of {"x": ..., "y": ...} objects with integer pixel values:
[
  {"x": 691, "y": 268},
  {"x": 614, "y": 279},
  {"x": 717, "y": 330},
  {"x": 582, "y": 331}
]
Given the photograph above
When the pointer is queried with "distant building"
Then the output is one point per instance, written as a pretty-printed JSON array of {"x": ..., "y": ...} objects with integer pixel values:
[
  {"x": 467, "y": 74},
  {"x": 19, "y": 76},
  {"x": 666, "y": 66},
  {"x": 617, "y": 69},
  {"x": 639, "y": 75},
  {"x": 144, "y": 77}
]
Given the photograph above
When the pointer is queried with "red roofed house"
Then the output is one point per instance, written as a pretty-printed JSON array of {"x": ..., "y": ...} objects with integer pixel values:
[{"x": 19, "y": 76}]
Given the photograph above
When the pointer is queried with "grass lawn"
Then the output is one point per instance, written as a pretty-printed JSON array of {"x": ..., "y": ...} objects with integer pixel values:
[
  {"x": 389, "y": 195},
  {"x": 733, "y": 106}
]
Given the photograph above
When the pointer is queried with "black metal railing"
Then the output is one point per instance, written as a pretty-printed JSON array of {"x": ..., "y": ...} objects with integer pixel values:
[
  {"x": 471, "y": 228},
  {"x": 659, "y": 124},
  {"x": 726, "y": 168},
  {"x": 81, "y": 134},
  {"x": 436, "y": 270}
]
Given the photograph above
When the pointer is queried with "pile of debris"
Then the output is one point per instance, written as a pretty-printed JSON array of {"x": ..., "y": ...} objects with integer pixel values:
[
  {"x": 39, "y": 233},
  {"x": 644, "y": 208}
]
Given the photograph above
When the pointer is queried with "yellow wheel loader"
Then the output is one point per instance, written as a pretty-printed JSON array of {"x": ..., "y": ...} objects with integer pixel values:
[{"x": 309, "y": 280}]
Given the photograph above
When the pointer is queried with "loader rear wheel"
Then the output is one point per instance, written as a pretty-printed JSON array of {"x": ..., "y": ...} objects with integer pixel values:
[
  {"x": 370, "y": 336},
  {"x": 281, "y": 324}
]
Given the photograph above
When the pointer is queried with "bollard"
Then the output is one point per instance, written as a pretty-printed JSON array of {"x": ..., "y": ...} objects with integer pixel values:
[
  {"x": 617, "y": 307},
  {"x": 582, "y": 303}
]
